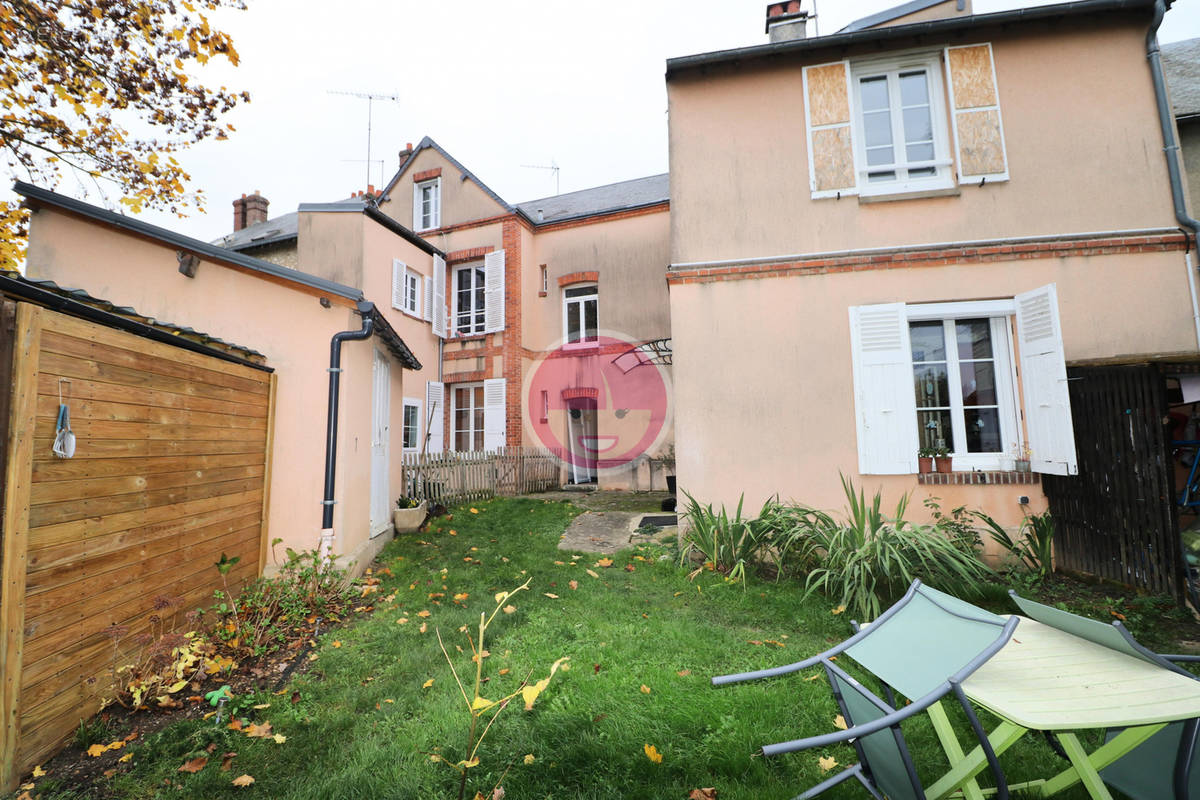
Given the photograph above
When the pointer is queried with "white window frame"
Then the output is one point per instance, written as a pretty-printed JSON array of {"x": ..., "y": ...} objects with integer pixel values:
[
  {"x": 411, "y": 292},
  {"x": 477, "y": 314},
  {"x": 999, "y": 313},
  {"x": 454, "y": 431},
  {"x": 943, "y": 178},
  {"x": 582, "y": 299},
  {"x": 415, "y": 404},
  {"x": 421, "y": 220}
]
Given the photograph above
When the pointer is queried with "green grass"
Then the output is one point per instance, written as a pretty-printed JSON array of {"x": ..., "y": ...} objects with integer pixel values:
[{"x": 364, "y": 726}]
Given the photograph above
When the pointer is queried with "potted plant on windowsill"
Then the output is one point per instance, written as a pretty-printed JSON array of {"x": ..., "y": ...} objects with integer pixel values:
[
  {"x": 925, "y": 460},
  {"x": 945, "y": 461},
  {"x": 1022, "y": 462},
  {"x": 408, "y": 514}
]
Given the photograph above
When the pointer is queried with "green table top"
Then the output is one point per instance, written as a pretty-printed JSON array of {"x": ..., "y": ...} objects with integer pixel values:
[{"x": 1046, "y": 679}]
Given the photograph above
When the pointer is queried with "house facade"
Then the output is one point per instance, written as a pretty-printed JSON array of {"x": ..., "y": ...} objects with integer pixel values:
[{"x": 902, "y": 237}]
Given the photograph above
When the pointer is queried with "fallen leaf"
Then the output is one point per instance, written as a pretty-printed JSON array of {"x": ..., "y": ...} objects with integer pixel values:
[
  {"x": 529, "y": 759},
  {"x": 630, "y": 567},
  {"x": 108, "y": 773},
  {"x": 227, "y": 761},
  {"x": 838, "y": 610},
  {"x": 604, "y": 562},
  {"x": 195, "y": 765},
  {"x": 243, "y": 780},
  {"x": 453, "y": 532},
  {"x": 279, "y": 738},
  {"x": 423, "y": 628},
  {"x": 813, "y": 677},
  {"x": 461, "y": 596},
  {"x": 596, "y": 668},
  {"x": 474, "y": 510},
  {"x": 124, "y": 758},
  {"x": 755, "y": 642},
  {"x": 509, "y": 609},
  {"x": 423, "y": 613},
  {"x": 402, "y": 621},
  {"x": 645, "y": 689},
  {"x": 335, "y": 644},
  {"x": 96, "y": 750},
  {"x": 261, "y": 706},
  {"x": 839, "y": 722},
  {"x": 574, "y": 585},
  {"x": 551, "y": 596},
  {"x": 497, "y": 793},
  {"x": 559, "y": 563},
  {"x": 827, "y": 763},
  {"x": 259, "y": 731},
  {"x": 38, "y": 772},
  {"x": 652, "y": 753},
  {"x": 427, "y": 684},
  {"x": 235, "y": 724},
  {"x": 683, "y": 673},
  {"x": 702, "y": 794}
]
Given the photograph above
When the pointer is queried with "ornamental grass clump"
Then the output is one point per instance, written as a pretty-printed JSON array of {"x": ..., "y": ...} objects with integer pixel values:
[
  {"x": 728, "y": 544},
  {"x": 868, "y": 559}
]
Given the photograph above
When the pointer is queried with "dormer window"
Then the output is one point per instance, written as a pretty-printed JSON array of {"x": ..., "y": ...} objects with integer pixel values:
[{"x": 427, "y": 204}]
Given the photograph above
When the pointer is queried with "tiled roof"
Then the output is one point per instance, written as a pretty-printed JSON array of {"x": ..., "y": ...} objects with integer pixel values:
[
  {"x": 1181, "y": 63},
  {"x": 599, "y": 200}
]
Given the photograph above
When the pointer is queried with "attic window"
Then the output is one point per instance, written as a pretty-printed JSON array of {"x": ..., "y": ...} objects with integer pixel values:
[{"x": 427, "y": 204}]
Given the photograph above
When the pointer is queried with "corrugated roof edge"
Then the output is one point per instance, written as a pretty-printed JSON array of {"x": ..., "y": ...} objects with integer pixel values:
[
  {"x": 426, "y": 143},
  {"x": 388, "y": 335},
  {"x": 204, "y": 250},
  {"x": 681, "y": 64}
]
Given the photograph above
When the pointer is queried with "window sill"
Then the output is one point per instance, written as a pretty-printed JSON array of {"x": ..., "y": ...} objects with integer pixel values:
[
  {"x": 978, "y": 478},
  {"x": 467, "y": 337},
  {"x": 945, "y": 191}
]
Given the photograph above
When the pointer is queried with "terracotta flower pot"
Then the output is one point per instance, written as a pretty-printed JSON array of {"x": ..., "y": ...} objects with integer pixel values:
[
  {"x": 408, "y": 520},
  {"x": 925, "y": 464},
  {"x": 945, "y": 463}
]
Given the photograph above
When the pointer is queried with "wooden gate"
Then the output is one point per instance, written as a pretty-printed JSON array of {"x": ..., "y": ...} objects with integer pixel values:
[{"x": 1117, "y": 518}]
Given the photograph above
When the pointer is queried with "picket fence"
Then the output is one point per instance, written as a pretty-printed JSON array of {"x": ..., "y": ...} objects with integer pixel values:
[{"x": 463, "y": 477}]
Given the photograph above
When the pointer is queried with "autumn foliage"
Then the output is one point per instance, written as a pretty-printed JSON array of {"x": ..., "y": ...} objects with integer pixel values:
[{"x": 77, "y": 77}]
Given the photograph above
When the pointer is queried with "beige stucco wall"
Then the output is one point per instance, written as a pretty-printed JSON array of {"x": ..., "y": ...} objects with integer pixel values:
[
  {"x": 289, "y": 326},
  {"x": 462, "y": 200},
  {"x": 1084, "y": 154},
  {"x": 329, "y": 245},
  {"x": 763, "y": 380}
]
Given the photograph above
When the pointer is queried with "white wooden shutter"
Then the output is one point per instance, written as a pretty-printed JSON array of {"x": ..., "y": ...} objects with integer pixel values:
[
  {"x": 438, "y": 297},
  {"x": 494, "y": 418},
  {"x": 885, "y": 405},
  {"x": 428, "y": 281},
  {"x": 493, "y": 291},
  {"x": 1044, "y": 383},
  {"x": 397, "y": 284},
  {"x": 827, "y": 119},
  {"x": 435, "y": 405},
  {"x": 416, "y": 205}
]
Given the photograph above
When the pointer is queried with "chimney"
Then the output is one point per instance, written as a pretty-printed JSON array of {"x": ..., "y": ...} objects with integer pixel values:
[
  {"x": 785, "y": 21},
  {"x": 405, "y": 153},
  {"x": 239, "y": 213},
  {"x": 256, "y": 208}
]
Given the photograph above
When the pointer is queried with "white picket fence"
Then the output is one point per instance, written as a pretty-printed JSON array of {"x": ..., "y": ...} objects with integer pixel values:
[{"x": 466, "y": 476}]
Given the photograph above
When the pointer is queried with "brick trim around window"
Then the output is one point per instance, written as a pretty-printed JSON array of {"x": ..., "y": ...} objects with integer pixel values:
[
  {"x": 978, "y": 478},
  {"x": 579, "y": 277},
  {"x": 428, "y": 174}
]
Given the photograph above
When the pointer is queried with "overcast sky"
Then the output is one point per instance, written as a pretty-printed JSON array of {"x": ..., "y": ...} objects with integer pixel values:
[{"x": 500, "y": 85}]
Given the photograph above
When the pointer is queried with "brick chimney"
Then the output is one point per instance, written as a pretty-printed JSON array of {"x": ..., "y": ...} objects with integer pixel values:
[
  {"x": 256, "y": 209},
  {"x": 406, "y": 152},
  {"x": 239, "y": 213},
  {"x": 785, "y": 21}
]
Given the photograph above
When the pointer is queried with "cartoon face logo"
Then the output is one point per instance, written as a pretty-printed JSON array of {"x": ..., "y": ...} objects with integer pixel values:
[{"x": 600, "y": 405}]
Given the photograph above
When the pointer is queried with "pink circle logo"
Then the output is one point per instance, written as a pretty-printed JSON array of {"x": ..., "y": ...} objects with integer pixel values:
[{"x": 599, "y": 404}]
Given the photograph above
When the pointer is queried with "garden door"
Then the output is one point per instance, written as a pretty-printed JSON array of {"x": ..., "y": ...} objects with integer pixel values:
[
  {"x": 380, "y": 409},
  {"x": 581, "y": 430}
]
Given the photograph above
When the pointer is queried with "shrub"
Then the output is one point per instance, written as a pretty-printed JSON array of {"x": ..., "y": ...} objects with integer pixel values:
[
  {"x": 867, "y": 560},
  {"x": 728, "y": 544}
]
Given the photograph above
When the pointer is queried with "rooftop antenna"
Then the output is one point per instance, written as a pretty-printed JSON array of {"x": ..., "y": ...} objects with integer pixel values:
[
  {"x": 553, "y": 168},
  {"x": 370, "y": 98},
  {"x": 813, "y": 17}
]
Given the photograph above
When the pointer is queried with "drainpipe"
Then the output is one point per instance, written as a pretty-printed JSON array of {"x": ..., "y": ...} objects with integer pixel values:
[
  {"x": 1171, "y": 150},
  {"x": 331, "y": 422}
]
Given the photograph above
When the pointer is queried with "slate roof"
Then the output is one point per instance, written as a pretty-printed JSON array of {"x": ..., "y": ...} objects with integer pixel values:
[
  {"x": 1181, "y": 63},
  {"x": 889, "y": 14},
  {"x": 621, "y": 196}
]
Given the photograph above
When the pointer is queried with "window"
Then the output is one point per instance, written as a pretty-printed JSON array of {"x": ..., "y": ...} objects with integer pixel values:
[
  {"x": 469, "y": 300},
  {"x": 427, "y": 204},
  {"x": 944, "y": 375},
  {"x": 411, "y": 426},
  {"x": 900, "y": 128},
  {"x": 412, "y": 293},
  {"x": 466, "y": 417},
  {"x": 580, "y": 304}
]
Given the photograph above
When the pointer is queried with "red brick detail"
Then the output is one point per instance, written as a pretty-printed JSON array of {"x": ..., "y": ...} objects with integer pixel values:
[
  {"x": 579, "y": 277},
  {"x": 511, "y": 239},
  {"x": 934, "y": 257},
  {"x": 436, "y": 172},
  {"x": 541, "y": 294},
  {"x": 978, "y": 478},
  {"x": 476, "y": 223},
  {"x": 596, "y": 218},
  {"x": 581, "y": 393},
  {"x": 471, "y": 253},
  {"x": 456, "y": 355},
  {"x": 455, "y": 378}
]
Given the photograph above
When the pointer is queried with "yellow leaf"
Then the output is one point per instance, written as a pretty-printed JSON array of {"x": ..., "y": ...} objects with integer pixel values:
[
  {"x": 838, "y": 610},
  {"x": 474, "y": 510},
  {"x": 96, "y": 750},
  {"x": 551, "y": 596},
  {"x": 261, "y": 706},
  {"x": 593, "y": 574},
  {"x": 604, "y": 562},
  {"x": 243, "y": 780},
  {"x": 645, "y": 689},
  {"x": 423, "y": 613},
  {"x": 124, "y": 758},
  {"x": 38, "y": 772},
  {"x": 117, "y": 745},
  {"x": 505, "y": 671},
  {"x": 813, "y": 677},
  {"x": 335, "y": 644},
  {"x": 574, "y": 585},
  {"x": 482, "y": 702},
  {"x": 279, "y": 738},
  {"x": 461, "y": 596},
  {"x": 530, "y": 692},
  {"x": 402, "y": 621},
  {"x": 423, "y": 628},
  {"x": 501, "y": 597},
  {"x": 509, "y": 609},
  {"x": 839, "y": 722},
  {"x": 827, "y": 763},
  {"x": 427, "y": 684},
  {"x": 529, "y": 758},
  {"x": 652, "y": 753}
]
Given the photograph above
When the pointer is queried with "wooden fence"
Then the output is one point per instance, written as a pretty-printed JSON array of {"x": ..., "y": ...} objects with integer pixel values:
[
  {"x": 1117, "y": 518},
  {"x": 170, "y": 471},
  {"x": 461, "y": 477}
]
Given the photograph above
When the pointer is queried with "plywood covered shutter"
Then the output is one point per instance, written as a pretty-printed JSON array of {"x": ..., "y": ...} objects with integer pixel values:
[
  {"x": 885, "y": 405},
  {"x": 975, "y": 111},
  {"x": 398, "y": 284},
  {"x": 493, "y": 291},
  {"x": 494, "y": 419},
  {"x": 1044, "y": 381},
  {"x": 827, "y": 115},
  {"x": 438, "y": 309},
  {"x": 435, "y": 404}
]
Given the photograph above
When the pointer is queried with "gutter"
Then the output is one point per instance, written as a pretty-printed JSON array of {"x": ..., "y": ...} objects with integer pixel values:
[{"x": 365, "y": 309}]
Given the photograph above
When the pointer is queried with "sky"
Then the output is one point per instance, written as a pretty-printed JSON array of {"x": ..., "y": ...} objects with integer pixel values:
[{"x": 508, "y": 88}]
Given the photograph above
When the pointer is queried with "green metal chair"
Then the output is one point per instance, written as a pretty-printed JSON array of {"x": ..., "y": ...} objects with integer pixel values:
[
  {"x": 1162, "y": 766},
  {"x": 924, "y": 646}
]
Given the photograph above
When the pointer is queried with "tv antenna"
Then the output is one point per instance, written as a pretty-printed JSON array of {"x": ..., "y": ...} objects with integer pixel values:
[
  {"x": 370, "y": 98},
  {"x": 553, "y": 168},
  {"x": 370, "y": 162}
]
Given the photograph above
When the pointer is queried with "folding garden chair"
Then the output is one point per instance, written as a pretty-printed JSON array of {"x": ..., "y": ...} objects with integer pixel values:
[
  {"x": 924, "y": 646},
  {"x": 1162, "y": 766}
]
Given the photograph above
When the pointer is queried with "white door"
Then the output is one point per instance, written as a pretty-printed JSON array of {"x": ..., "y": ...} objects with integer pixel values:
[{"x": 380, "y": 401}]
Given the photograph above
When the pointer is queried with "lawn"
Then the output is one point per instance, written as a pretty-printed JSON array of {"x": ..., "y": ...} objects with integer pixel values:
[{"x": 642, "y": 641}]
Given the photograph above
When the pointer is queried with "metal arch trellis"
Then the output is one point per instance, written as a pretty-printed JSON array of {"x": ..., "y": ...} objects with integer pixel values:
[{"x": 657, "y": 352}]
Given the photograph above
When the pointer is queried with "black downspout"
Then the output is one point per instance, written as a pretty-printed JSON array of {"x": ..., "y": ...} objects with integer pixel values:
[{"x": 331, "y": 422}]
